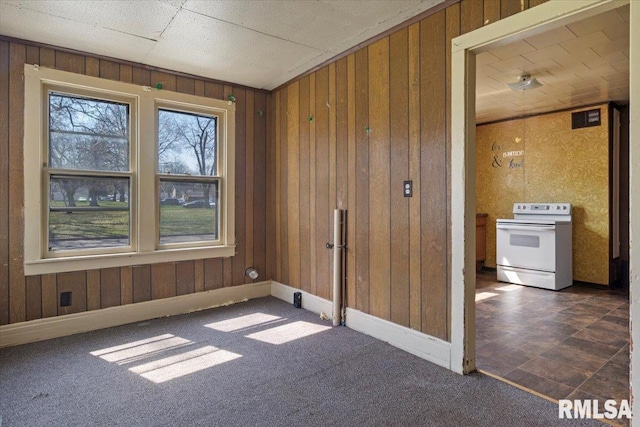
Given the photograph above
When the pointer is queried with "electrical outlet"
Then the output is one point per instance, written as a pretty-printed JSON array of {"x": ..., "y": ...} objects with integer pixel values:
[
  {"x": 65, "y": 299},
  {"x": 408, "y": 189}
]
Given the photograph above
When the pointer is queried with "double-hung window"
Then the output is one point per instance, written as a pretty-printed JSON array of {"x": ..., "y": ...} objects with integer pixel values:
[{"x": 118, "y": 174}]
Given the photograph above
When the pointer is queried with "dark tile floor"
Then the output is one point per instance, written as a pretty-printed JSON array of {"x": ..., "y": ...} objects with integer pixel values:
[{"x": 572, "y": 343}]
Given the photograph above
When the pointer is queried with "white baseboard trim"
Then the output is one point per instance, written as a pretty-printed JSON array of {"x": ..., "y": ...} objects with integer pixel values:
[
  {"x": 310, "y": 302},
  {"x": 54, "y": 327},
  {"x": 409, "y": 340},
  {"x": 422, "y": 345}
]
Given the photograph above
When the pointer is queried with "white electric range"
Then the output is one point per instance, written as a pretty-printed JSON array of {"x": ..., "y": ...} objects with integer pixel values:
[{"x": 535, "y": 247}]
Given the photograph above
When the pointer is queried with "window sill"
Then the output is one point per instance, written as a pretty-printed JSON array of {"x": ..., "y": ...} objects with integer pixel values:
[{"x": 90, "y": 262}]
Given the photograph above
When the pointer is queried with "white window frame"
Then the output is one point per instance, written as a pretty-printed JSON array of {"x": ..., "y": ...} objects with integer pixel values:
[{"x": 144, "y": 191}]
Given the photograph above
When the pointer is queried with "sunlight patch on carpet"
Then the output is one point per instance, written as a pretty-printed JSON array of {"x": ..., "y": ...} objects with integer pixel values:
[
  {"x": 242, "y": 322},
  {"x": 134, "y": 351},
  {"x": 183, "y": 364},
  {"x": 289, "y": 332}
]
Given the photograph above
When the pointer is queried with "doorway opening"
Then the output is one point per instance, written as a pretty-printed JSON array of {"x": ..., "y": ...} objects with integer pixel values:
[{"x": 565, "y": 344}]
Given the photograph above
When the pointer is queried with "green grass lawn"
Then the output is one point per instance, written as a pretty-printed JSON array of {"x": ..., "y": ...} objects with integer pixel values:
[
  {"x": 106, "y": 224},
  {"x": 179, "y": 221}
]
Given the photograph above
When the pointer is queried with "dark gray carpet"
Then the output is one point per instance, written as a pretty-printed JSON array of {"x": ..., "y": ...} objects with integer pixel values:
[{"x": 334, "y": 377}]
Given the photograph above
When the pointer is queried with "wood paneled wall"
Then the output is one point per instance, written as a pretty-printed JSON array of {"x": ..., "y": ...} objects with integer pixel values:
[
  {"x": 26, "y": 298},
  {"x": 347, "y": 136}
]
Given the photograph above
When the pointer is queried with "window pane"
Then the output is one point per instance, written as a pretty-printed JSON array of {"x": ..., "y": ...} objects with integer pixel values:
[
  {"x": 187, "y": 143},
  {"x": 88, "y": 213},
  {"x": 189, "y": 211},
  {"x": 88, "y": 134}
]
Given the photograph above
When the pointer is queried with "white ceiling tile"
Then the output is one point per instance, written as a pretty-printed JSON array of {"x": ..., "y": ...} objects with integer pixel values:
[
  {"x": 19, "y": 22},
  {"x": 126, "y": 16},
  {"x": 550, "y": 38},
  {"x": 514, "y": 49},
  {"x": 592, "y": 39},
  {"x": 577, "y": 57},
  {"x": 515, "y": 65},
  {"x": 486, "y": 58},
  {"x": 596, "y": 23},
  {"x": 549, "y": 52}
]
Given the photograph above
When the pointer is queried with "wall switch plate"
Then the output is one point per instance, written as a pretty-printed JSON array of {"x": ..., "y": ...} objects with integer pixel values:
[{"x": 408, "y": 189}]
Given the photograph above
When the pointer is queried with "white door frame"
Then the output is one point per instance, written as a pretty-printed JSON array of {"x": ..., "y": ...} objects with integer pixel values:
[{"x": 536, "y": 20}]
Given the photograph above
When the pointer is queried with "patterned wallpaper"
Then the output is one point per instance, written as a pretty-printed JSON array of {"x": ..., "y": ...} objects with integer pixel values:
[{"x": 541, "y": 159}]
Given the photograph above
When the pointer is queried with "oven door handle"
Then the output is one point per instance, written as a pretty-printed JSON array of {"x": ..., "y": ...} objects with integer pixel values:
[{"x": 527, "y": 227}]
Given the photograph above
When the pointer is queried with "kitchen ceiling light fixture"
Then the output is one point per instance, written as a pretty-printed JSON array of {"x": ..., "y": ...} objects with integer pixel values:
[{"x": 525, "y": 81}]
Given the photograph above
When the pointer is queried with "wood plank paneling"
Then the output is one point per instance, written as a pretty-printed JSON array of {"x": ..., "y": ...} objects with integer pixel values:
[
  {"x": 351, "y": 184},
  {"x": 33, "y": 55},
  {"x": 92, "y": 66},
  {"x": 471, "y": 14},
  {"x": 278, "y": 186},
  {"x": 17, "y": 309},
  {"x": 238, "y": 261},
  {"x": 491, "y": 12},
  {"x": 362, "y": 180},
  {"x": 163, "y": 280},
  {"x": 93, "y": 290},
  {"x": 227, "y": 263},
  {"x": 49, "y": 295},
  {"x": 342, "y": 134},
  {"x": 331, "y": 105},
  {"x": 399, "y": 170},
  {"x": 511, "y": 7},
  {"x": 260, "y": 185},
  {"x": 185, "y": 277},
  {"x": 70, "y": 62},
  {"x": 379, "y": 174},
  {"x": 141, "y": 278},
  {"x": 213, "y": 90},
  {"x": 109, "y": 70},
  {"x": 34, "y": 298},
  {"x": 126, "y": 285},
  {"x": 47, "y": 57},
  {"x": 415, "y": 239},
  {"x": 4, "y": 183},
  {"x": 141, "y": 76},
  {"x": 322, "y": 182},
  {"x": 533, "y": 3},
  {"x": 198, "y": 275},
  {"x": 185, "y": 85},
  {"x": 126, "y": 73},
  {"x": 168, "y": 81},
  {"x": 76, "y": 283},
  {"x": 433, "y": 166},
  {"x": 313, "y": 245},
  {"x": 452, "y": 16},
  {"x": 271, "y": 196},
  {"x": 249, "y": 182},
  {"x": 304, "y": 186},
  {"x": 110, "y": 287},
  {"x": 293, "y": 187},
  {"x": 284, "y": 182},
  {"x": 213, "y": 274}
]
